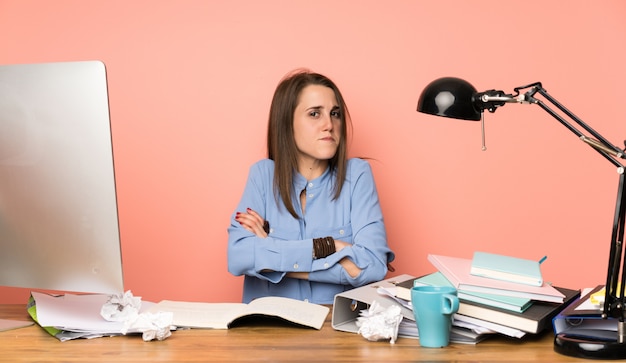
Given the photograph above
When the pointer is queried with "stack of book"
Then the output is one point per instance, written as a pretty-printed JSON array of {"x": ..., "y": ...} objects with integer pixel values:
[{"x": 497, "y": 302}]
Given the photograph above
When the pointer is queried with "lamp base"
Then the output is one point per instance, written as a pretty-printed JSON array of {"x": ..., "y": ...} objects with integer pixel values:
[{"x": 589, "y": 348}]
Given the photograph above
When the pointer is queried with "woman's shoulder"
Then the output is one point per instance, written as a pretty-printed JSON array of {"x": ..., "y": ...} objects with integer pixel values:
[
  {"x": 263, "y": 166},
  {"x": 358, "y": 165}
]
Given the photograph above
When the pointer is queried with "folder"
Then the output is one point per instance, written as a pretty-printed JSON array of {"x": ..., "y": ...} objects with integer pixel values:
[
  {"x": 586, "y": 326},
  {"x": 348, "y": 304},
  {"x": 582, "y": 319}
]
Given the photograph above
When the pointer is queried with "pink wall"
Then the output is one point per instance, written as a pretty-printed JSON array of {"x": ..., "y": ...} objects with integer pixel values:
[{"x": 190, "y": 84}]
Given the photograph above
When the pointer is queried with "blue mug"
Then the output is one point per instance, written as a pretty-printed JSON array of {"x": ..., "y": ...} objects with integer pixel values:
[{"x": 433, "y": 307}]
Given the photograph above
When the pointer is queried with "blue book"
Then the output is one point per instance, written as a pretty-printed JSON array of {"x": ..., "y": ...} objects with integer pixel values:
[
  {"x": 510, "y": 303},
  {"x": 507, "y": 268}
]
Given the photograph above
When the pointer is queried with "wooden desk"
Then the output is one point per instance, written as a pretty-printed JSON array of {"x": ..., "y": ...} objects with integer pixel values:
[{"x": 258, "y": 342}]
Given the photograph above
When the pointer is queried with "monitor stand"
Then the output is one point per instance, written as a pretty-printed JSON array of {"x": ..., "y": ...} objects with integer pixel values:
[{"x": 9, "y": 324}]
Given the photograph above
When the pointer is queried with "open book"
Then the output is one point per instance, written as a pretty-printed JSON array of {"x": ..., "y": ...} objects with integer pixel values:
[{"x": 223, "y": 315}]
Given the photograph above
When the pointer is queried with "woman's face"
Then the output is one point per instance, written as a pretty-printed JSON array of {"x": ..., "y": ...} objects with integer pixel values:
[{"x": 316, "y": 124}]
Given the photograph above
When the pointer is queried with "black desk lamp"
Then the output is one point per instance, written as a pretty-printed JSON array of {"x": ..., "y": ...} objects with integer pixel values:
[{"x": 456, "y": 98}]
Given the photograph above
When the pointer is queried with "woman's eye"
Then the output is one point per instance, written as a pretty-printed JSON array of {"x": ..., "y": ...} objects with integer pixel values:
[
  {"x": 314, "y": 113},
  {"x": 335, "y": 114}
]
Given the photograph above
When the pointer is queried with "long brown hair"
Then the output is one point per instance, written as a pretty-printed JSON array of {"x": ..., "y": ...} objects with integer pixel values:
[{"x": 281, "y": 145}]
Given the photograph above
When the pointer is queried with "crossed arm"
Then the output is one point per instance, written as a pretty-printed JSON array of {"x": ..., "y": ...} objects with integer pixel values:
[{"x": 254, "y": 223}]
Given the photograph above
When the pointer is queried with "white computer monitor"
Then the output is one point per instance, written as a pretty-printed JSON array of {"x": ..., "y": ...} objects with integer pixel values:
[{"x": 59, "y": 225}]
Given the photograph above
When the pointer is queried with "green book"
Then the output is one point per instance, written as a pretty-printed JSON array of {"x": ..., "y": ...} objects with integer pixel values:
[
  {"x": 511, "y": 303},
  {"x": 506, "y": 268}
]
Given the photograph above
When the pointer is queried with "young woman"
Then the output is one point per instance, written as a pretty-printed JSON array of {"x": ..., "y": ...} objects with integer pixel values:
[{"x": 309, "y": 224}]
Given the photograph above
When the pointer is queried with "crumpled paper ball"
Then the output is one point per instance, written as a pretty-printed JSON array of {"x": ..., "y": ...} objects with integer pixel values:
[
  {"x": 152, "y": 325},
  {"x": 378, "y": 323},
  {"x": 125, "y": 308},
  {"x": 121, "y": 307}
]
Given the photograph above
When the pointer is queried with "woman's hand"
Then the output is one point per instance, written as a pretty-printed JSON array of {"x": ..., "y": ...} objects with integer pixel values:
[
  {"x": 340, "y": 245},
  {"x": 252, "y": 221},
  {"x": 351, "y": 268}
]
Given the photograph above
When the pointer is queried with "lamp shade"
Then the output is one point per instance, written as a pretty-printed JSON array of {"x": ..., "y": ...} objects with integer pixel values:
[{"x": 449, "y": 97}]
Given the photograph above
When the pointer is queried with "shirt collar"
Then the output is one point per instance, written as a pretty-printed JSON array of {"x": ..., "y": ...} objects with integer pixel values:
[{"x": 301, "y": 183}]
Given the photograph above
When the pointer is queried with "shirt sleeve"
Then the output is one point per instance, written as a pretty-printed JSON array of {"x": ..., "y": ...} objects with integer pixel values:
[
  {"x": 266, "y": 258},
  {"x": 369, "y": 250}
]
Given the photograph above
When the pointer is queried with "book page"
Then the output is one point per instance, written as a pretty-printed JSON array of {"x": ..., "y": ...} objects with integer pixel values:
[
  {"x": 296, "y": 311},
  {"x": 201, "y": 315}
]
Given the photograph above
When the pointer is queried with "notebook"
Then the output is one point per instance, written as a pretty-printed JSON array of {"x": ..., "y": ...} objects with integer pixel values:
[{"x": 507, "y": 268}]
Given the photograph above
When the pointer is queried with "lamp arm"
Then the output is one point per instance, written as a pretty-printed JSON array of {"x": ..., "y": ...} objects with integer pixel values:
[
  {"x": 614, "y": 302},
  {"x": 598, "y": 142},
  {"x": 492, "y": 99}
]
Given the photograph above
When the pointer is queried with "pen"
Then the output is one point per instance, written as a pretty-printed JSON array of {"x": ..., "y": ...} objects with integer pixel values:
[{"x": 543, "y": 259}]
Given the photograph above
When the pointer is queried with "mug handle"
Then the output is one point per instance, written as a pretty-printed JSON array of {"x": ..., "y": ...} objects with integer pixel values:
[{"x": 450, "y": 304}]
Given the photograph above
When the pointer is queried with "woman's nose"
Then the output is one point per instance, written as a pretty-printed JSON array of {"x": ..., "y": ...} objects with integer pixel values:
[{"x": 328, "y": 123}]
